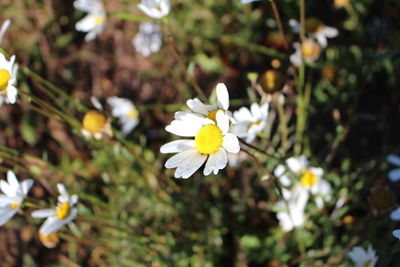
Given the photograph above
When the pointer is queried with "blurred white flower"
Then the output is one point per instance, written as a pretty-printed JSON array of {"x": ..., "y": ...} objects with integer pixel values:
[
  {"x": 4, "y": 28},
  {"x": 155, "y": 8},
  {"x": 148, "y": 40},
  {"x": 211, "y": 144},
  {"x": 60, "y": 216},
  {"x": 94, "y": 22},
  {"x": 362, "y": 257},
  {"x": 125, "y": 111},
  {"x": 394, "y": 175},
  {"x": 308, "y": 50},
  {"x": 250, "y": 122},
  {"x": 235, "y": 159},
  {"x": 8, "y": 77},
  {"x": 291, "y": 209},
  {"x": 14, "y": 194},
  {"x": 319, "y": 31},
  {"x": 310, "y": 178}
]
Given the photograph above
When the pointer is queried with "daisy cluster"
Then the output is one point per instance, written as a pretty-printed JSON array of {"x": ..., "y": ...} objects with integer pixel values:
[
  {"x": 12, "y": 201},
  {"x": 147, "y": 41},
  {"x": 213, "y": 133}
]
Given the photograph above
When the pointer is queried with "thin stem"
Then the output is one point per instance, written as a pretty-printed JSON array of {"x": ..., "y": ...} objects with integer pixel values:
[
  {"x": 279, "y": 22},
  {"x": 302, "y": 20}
]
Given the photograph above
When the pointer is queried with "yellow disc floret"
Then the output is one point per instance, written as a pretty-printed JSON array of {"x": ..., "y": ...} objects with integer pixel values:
[
  {"x": 99, "y": 20},
  {"x": 94, "y": 121},
  {"x": 309, "y": 179},
  {"x": 133, "y": 114},
  {"x": 63, "y": 210},
  {"x": 14, "y": 205},
  {"x": 208, "y": 139},
  {"x": 4, "y": 78}
]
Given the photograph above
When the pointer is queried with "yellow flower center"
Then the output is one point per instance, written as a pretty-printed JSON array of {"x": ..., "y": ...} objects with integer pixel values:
[
  {"x": 99, "y": 20},
  {"x": 63, "y": 210},
  {"x": 271, "y": 81},
  {"x": 310, "y": 49},
  {"x": 50, "y": 240},
  {"x": 14, "y": 205},
  {"x": 367, "y": 263},
  {"x": 94, "y": 121},
  {"x": 133, "y": 114},
  {"x": 208, "y": 139},
  {"x": 4, "y": 78},
  {"x": 213, "y": 115},
  {"x": 309, "y": 179},
  {"x": 340, "y": 3}
]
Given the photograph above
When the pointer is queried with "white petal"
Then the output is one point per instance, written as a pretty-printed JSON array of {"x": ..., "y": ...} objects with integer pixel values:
[
  {"x": 183, "y": 128},
  {"x": 393, "y": 159},
  {"x": 192, "y": 118},
  {"x": 256, "y": 111},
  {"x": 7, "y": 189},
  {"x": 4, "y": 28},
  {"x": 52, "y": 224},
  {"x": 176, "y": 160},
  {"x": 322, "y": 40},
  {"x": 243, "y": 115},
  {"x": 231, "y": 143},
  {"x": 43, "y": 213},
  {"x": 190, "y": 165},
  {"x": 394, "y": 175},
  {"x": 222, "y": 96},
  {"x": 329, "y": 32},
  {"x": 396, "y": 233},
  {"x": 395, "y": 215},
  {"x": 63, "y": 192},
  {"x": 294, "y": 164},
  {"x": 11, "y": 94},
  {"x": 26, "y": 186},
  {"x": 222, "y": 121},
  {"x": 197, "y": 106},
  {"x": 6, "y": 214},
  {"x": 295, "y": 25},
  {"x": 177, "y": 146},
  {"x": 127, "y": 127},
  {"x": 216, "y": 162},
  {"x": 13, "y": 181},
  {"x": 73, "y": 200}
]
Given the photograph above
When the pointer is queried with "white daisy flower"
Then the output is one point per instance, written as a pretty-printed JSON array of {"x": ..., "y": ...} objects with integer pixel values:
[
  {"x": 60, "y": 216},
  {"x": 210, "y": 111},
  {"x": 250, "y": 122},
  {"x": 94, "y": 22},
  {"x": 308, "y": 50},
  {"x": 96, "y": 125},
  {"x": 8, "y": 77},
  {"x": 14, "y": 194},
  {"x": 211, "y": 143},
  {"x": 394, "y": 175},
  {"x": 155, "y": 8},
  {"x": 125, "y": 111},
  {"x": 4, "y": 28},
  {"x": 318, "y": 30},
  {"x": 291, "y": 210},
  {"x": 148, "y": 40},
  {"x": 310, "y": 178},
  {"x": 362, "y": 257},
  {"x": 396, "y": 233}
]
